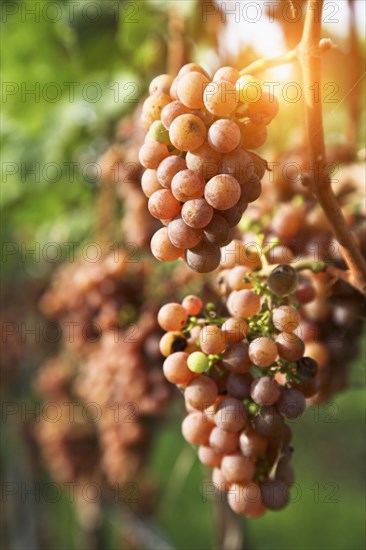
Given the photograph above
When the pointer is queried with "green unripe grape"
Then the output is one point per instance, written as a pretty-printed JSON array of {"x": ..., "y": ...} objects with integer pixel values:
[
  {"x": 158, "y": 132},
  {"x": 198, "y": 362}
]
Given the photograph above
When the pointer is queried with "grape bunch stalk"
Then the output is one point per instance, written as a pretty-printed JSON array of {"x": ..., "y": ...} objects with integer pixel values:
[
  {"x": 241, "y": 373},
  {"x": 201, "y": 172}
]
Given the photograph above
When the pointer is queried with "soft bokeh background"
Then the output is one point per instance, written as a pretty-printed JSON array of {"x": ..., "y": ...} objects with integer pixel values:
[{"x": 126, "y": 45}]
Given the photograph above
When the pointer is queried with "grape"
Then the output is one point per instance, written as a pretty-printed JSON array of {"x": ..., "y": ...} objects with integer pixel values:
[
  {"x": 188, "y": 185},
  {"x": 283, "y": 280},
  {"x": 192, "y": 67},
  {"x": 197, "y": 213},
  {"x": 248, "y": 88},
  {"x": 171, "y": 111},
  {"x": 209, "y": 457},
  {"x": 251, "y": 189},
  {"x": 172, "y": 317},
  {"x": 222, "y": 192},
  {"x": 152, "y": 153},
  {"x": 238, "y": 164},
  {"x": 219, "y": 481},
  {"x": 253, "y": 135},
  {"x": 224, "y": 135},
  {"x": 291, "y": 403},
  {"x": 150, "y": 182},
  {"x": 265, "y": 391},
  {"x": 217, "y": 231},
  {"x": 236, "y": 277},
  {"x": 244, "y": 303},
  {"x": 226, "y": 73},
  {"x": 172, "y": 342},
  {"x": 246, "y": 500},
  {"x": 204, "y": 160},
  {"x": 162, "y": 204},
  {"x": 168, "y": 168},
  {"x": 198, "y": 362},
  {"x": 238, "y": 385},
  {"x": 234, "y": 329},
  {"x": 284, "y": 471},
  {"x": 305, "y": 293},
  {"x": 306, "y": 368},
  {"x": 158, "y": 132},
  {"x": 204, "y": 257},
  {"x": 162, "y": 248},
  {"x": 275, "y": 494},
  {"x": 268, "y": 422},
  {"x": 290, "y": 347},
  {"x": 236, "y": 358},
  {"x": 223, "y": 441},
  {"x": 196, "y": 428},
  {"x": 220, "y": 98},
  {"x": 183, "y": 236},
  {"x": 154, "y": 104},
  {"x": 237, "y": 468},
  {"x": 231, "y": 415},
  {"x": 192, "y": 304},
  {"x": 146, "y": 121},
  {"x": 288, "y": 221},
  {"x": 174, "y": 89},
  {"x": 286, "y": 318},
  {"x": 201, "y": 392},
  {"x": 212, "y": 340},
  {"x": 264, "y": 110},
  {"x": 176, "y": 370},
  {"x": 319, "y": 352},
  {"x": 263, "y": 351},
  {"x": 187, "y": 132},
  {"x": 252, "y": 444},
  {"x": 190, "y": 89},
  {"x": 161, "y": 84},
  {"x": 233, "y": 215}
]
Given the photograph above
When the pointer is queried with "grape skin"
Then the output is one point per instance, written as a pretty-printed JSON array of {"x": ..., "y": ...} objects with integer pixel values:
[
  {"x": 224, "y": 136},
  {"x": 176, "y": 371},
  {"x": 237, "y": 469},
  {"x": 190, "y": 89},
  {"x": 163, "y": 204},
  {"x": 187, "y": 185},
  {"x": 150, "y": 182},
  {"x": 231, "y": 415},
  {"x": 220, "y": 98},
  {"x": 196, "y": 429},
  {"x": 183, "y": 236},
  {"x": 187, "y": 132},
  {"x": 168, "y": 168},
  {"x": 204, "y": 257},
  {"x": 212, "y": 340},
  {"x": 162, "y": 248},
  {"x": 172, "y": 317},
  {"x": 171, "y": 111},
  {"x": 223, "y": 441},
  {"x": 265, "y": 391},
  {"x": 263, "y": 351},
  {"x": 152, "y": 153},
  {"x": 197, "y": 213},
  {"x": 222, "y": 192},
  {"x": 204, "y": 160},
  {"x": 201, "y": 392},
  {"x": 290, "y": 347}
]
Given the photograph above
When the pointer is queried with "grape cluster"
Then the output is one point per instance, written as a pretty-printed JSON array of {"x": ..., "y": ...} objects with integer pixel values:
[
  {"x": 242, "y": 373},
  {"x": 200, "y": 173}
]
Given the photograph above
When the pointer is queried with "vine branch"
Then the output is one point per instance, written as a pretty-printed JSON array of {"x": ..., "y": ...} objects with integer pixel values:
[
  {"x": 308, "y": 53},
  {"x": 310, "y": 63}
]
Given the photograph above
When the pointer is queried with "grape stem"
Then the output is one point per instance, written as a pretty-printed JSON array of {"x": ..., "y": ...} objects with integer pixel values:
[{"x": 308, "y": 53}]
